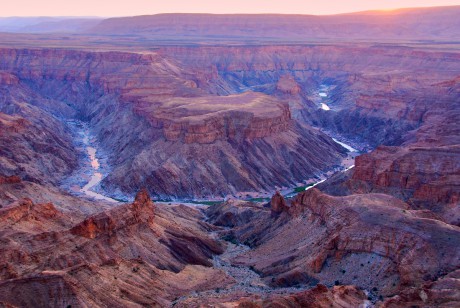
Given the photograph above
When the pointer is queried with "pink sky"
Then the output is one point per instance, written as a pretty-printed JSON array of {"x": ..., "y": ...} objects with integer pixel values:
[{"x": 147, "y": 7}]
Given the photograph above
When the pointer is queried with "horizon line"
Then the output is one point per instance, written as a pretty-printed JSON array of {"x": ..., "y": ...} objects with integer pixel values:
[{"x": 388, "y": 10}]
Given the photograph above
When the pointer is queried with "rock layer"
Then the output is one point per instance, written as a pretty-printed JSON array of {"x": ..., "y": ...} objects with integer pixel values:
[
  {"x": 326, "y": 239},
  {"x": 122, "y": 256},
  {"x": 168, "y": 132}
]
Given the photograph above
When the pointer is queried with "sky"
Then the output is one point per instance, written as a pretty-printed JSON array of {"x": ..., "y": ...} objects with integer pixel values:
[{"x": 106, "y": 8}]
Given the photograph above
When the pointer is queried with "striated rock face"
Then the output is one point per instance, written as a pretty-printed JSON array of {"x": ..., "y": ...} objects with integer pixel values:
[
  {"x": 278, "y": 204},
  {"x": 34, "y": 145},
  {"x": 141, "y": 210},
  {"x": 8, "y": 79},
  {"x": 205, "y": 120},
  {"x": 376, "y": 94},
  {"x": 34, "y": 150},
  {"x": 25, "y": 209},
  {"x": 320, "y": 297},
  {"x": 169, "y": 117},
  {"x": 168, "y": 131},
  {"x": 424, "y": 171},
  {"x": 373, "y": 241},
  {"x": 10, "y": 179},
  {"x": 421, "y": 175},
  {"x": 443, "y": 292},
  {"x": 208, "y": 120},
  {"x": 119, "y": 257}
]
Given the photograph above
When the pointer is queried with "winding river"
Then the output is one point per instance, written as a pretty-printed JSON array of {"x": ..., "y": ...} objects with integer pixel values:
[{"x": 87, "y": 178}]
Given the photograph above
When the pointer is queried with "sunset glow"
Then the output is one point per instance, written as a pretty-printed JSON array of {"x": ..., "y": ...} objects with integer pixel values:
[{"x": 147, "y": 7}]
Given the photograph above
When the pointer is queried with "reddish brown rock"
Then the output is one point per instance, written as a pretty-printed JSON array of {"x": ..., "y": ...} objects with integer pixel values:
[
  {"x": 287, "y": 84},
  {"x": 278, "y": 204},
  {"x": 122, "y": 256},
  {"x": 107, "y": 223},
  {"x": 8, "y": 79},
  {"x": 34, "y": 145},
  {"x": 13, "y": 179},
  {"x": 25, "y": 211},
  {"x": 443, "y": 292},
  {"x": 94, "y": 226},
  {"x": 317, "y": 297},
  {"x": 142, "y": 199},
  {"x": 343, "y": 239},
  {"x": 424, "y": 171},
  {"x": 171, "y": 113},
  {"x": 320, "y": 297}
]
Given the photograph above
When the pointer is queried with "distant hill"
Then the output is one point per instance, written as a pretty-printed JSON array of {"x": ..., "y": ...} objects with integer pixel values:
[
  {"x": 418, "y": 23},
  {"x": 47, "y": 24},
  {"x": 436, "y": 23}
]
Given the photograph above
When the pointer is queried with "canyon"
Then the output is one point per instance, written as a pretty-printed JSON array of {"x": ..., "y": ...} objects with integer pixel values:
[{"x": 162, "y": 161}]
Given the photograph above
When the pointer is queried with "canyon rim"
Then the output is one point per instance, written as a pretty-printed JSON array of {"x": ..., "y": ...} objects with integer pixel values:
[{"x": 231, "y": 160}]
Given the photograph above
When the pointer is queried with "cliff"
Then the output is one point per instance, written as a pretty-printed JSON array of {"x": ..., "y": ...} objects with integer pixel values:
[
  {"x": 137, "y": 257},
  {"x": 340, "y": 240},
  {"x": 149, "y": 112}
]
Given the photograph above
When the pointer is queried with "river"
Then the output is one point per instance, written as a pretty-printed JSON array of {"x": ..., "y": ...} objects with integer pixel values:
[{"x": 86, "y": 179}]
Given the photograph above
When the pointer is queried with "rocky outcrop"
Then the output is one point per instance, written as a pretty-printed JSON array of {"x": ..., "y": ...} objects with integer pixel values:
[
  {"x": 8, "y": 79},
  {"x": 13, "y": 179},
  {"x": 131, "y": 254},
  {"x": 278, "y": 204},
  {"x": 108, "y": 223},
  {"x": 205, "y": 120},
  {"x": 94, "y": 226},
  {"x": 288, "y": 85},
  {"x": 340, "y": 240},
  {"x": 318, "y": 297},
  {"x": 426, "y": 175},
  {"x": 443, "y": 292},
  {"x": 34, "y": 145},
  {"x": 424, "y": 171},
  {"x": 142, "y": 199}
]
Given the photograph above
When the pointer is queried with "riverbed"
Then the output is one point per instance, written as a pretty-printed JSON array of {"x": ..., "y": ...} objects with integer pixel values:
[
  {"x": 86, "y": 180},
  {"x": 93, "y": 168}
]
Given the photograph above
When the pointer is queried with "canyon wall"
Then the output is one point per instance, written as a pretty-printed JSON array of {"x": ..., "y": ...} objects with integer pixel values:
[
  {"x": 163, "y": 127},
  {"x": 372, "y": 241},
  {"x": 376, "y": 93},
  {"x": 157, "y": 114},
  {"x": 34, "y": 145}
]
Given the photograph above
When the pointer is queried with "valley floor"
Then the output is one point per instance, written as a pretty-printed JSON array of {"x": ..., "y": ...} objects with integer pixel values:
[{"x": 94, "y": 167}]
